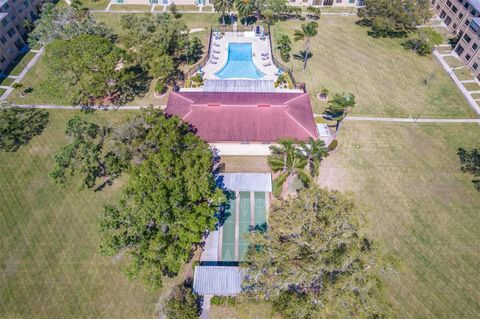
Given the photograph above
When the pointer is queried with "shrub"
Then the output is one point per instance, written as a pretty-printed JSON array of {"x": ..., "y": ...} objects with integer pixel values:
[
  {"x": 333, "y": 145},
  {"x": 161, "y": 86},
  {"x": 223, "y": 300},
  {"x": 182, "y": 303},
  {"x": 17, "y": 85},
  {"x": 423, "y": 40}
]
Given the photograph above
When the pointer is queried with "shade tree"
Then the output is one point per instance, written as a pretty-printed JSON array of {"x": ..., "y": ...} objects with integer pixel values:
[
  {"x": 19, "y": 125},
  {"x": 393, "y": 18},
  {"x": 470, "y": 163},
  {"x": 87, "y": 155},
  {"x": 315, "y": 260},
  {"x": 94, "y": 69},
  {"x": 65, "y": 23},
  {"x": 168, "y": 204}
]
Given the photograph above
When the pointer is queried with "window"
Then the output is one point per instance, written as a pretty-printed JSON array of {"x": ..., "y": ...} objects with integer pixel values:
[
  {"x": 448, "y": 20},
  {"x": 467, "y": 22},
  {"x": 467, "y": 38},
  {"x": 19, "y": 44},
  {"x": 454, "y": 9},
  {"x": 3, "y": 39},
  {"x": 11, "y": 32},
  {"x": 459, "y": 50},
  {"x": 449, "y": 3},
  {"x": 2, "y": 59},
  {"x": 468, "y": 57},
  {"x": 4, "y": 22},
  {"x": 454, "y": 26},
  {"x": 460, "y": 16},
  {"x": 475, "y": 66},
  {"x": 475, "y": 46}
]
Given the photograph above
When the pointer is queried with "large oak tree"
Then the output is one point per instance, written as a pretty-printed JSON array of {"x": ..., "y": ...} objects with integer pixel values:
[
  {"x": 92, "y": 68},
  {"x": 314, "y": 261},
  {"x": 169, "y": 202}
]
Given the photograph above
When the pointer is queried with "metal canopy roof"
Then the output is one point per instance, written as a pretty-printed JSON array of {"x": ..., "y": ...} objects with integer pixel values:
[
  {"x": 248, "y": 182},
  {"x": 217, "y": 280}
]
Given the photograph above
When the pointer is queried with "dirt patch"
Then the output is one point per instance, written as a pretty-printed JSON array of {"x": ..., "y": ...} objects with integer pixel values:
[{"x": 10, "y": 266}]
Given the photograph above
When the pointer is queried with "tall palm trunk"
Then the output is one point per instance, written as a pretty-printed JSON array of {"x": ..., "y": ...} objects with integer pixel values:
[{"x": 307, "y": 52}]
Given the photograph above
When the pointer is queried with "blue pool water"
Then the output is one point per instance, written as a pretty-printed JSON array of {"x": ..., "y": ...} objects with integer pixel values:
[{"x": 239, "y": 64}]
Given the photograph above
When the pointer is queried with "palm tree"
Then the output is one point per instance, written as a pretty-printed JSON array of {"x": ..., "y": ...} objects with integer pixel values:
[
  {"x": 308, "y": 31},
  {"x": 289, "y": 160},
  {"x": 314, "y": 151},
  {"x": 222, "y": 6},
  {"x": 339, "y": 106},
  {"x": 244, "y": 8},
  {"x": 283, "y": 45}
]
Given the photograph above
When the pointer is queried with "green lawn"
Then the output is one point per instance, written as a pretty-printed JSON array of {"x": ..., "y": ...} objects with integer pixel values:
[
  {"x": 95, "y": 4},
  {"x": 464, "y": 74},
  {"x": 6, "y": 81},
  {"x": 386, "y": 79},
  {"x": 35, "y": 79},
  {"x": 406, "y": 178},
  {"x": 50, "y": 266},
  {"x": 472, "y": 86},
  {"x": 453, "y": 62},
  {"x": 130, "y": 7}
]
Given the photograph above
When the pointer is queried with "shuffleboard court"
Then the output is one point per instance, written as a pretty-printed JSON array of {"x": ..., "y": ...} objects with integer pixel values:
[
  {"x": 260, "y": 211},
  {"x": 245, "y": 223},
  {"x": 228, "y": 241}
]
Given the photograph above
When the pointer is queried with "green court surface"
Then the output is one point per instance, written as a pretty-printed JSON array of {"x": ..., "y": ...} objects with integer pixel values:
[
  {"x": 260, "y": 210},
  {"x": 228, "y": 241},
  {"x": 245, "y": 223}
]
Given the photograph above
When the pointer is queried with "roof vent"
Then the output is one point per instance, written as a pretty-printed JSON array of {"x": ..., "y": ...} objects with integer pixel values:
[
  {"x": 213, "y": 104},
  {"x": 263, "y": 105}
]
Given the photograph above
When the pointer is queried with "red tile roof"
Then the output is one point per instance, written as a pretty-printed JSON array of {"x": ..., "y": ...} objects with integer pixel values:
[{"x": 245, "y": 117}]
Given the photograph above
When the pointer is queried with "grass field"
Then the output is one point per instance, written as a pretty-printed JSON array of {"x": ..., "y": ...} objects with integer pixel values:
[
  {"x": 407, "y": 179},
  {"x": 386, "y": 79},
  {"x": 50, "y": 266}
]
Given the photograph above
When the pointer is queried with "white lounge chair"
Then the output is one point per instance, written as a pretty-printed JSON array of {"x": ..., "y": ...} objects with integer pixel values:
[
  {"x": 264, "y": 53},
  {"x": 267, "y": 64},
  {"x": 213, "y": 61},
  {"x": 216, "y": 51},
  {"x": 264, "y": 58},
  {"x": 214, "y": 57},
  {"x": 216, "y": 44}
]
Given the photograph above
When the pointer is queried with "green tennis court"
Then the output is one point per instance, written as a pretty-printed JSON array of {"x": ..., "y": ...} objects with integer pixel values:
[
  {"x": 245, "y": 223},
  {"x": 260, "y": 210},
  {"x": 228, "y": 241}
]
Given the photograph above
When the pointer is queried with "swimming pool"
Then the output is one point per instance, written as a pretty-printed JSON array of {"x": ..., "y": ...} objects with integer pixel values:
[{"x": 239, "y": 63}]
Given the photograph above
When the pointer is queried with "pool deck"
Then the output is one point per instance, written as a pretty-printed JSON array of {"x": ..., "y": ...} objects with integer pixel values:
[{"x": 219, "y": 48}]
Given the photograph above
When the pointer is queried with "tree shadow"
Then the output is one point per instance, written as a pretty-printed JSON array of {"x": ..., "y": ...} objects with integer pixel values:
[{"x": 301, "y": 55}]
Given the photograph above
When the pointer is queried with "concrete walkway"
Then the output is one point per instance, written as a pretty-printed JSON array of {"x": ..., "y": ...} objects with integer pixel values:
[
  {"x": 471, "y": 101},
  {"x": 22, "y": 74},
  {"x": 205, "y": 307}
]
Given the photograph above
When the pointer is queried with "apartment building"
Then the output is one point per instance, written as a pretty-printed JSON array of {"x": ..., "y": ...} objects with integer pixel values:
[
  {"x": 13, "y": 13},
  {"x": 462, "y": 17}
]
